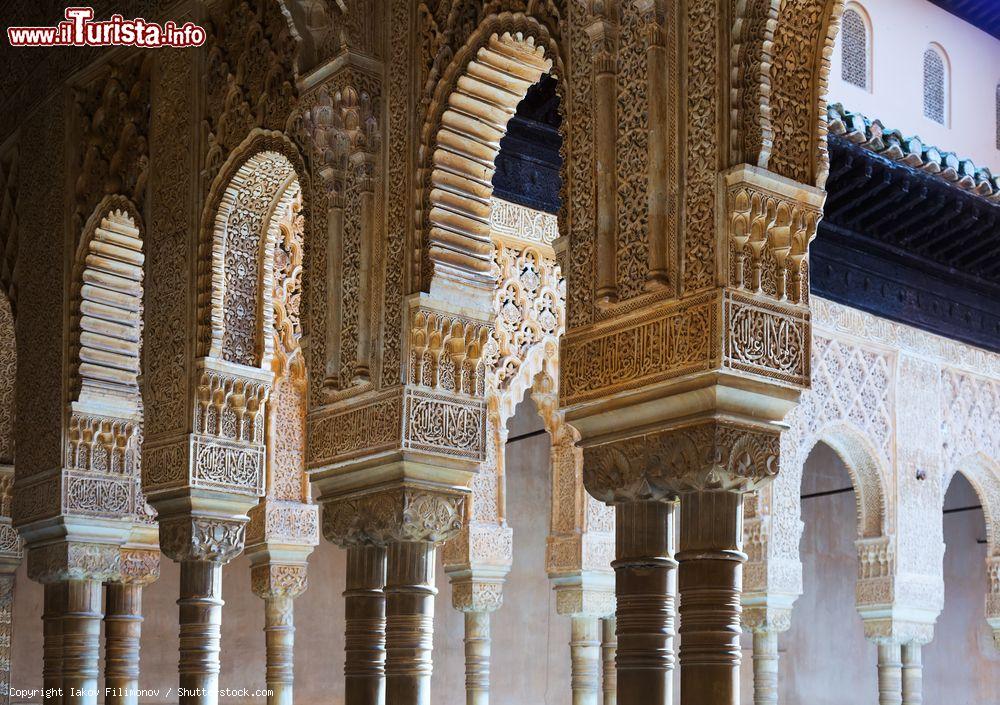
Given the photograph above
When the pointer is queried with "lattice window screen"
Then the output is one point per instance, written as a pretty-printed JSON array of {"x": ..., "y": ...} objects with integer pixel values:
[
  {"x": 934, "y": 86},
  {"x": 854, "y": 60}
]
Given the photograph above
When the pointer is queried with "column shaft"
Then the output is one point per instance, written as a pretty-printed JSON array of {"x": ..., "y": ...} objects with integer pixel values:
[
  {"x": 890, "y": 674},
  {"x": 643, "y": 568},
  {"x": 477, "y": 658},
  {"x": 912, "y": 675},
  {"x": 279, "y": 638},
  {"x": 200, "y": 631},
  {"x": 710, "y": 577},
  {"x": 81, "y": 635},
  {"x": 55, "y": 605},
  {"x": 585, "y": 660},
  {"x": 364, "y": 630},
  {"x": 765, "y": 667},
  {"x": 409, "y": 632},
  {"x": 609, "y": 645},
  {"x": 122, "y": 631}
]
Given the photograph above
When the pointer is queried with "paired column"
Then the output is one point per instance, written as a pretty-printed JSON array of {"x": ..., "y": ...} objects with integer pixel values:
[
  {"x": 644, "y": 577},
  {"x": 609, "y": 647},
  {"x": 477, "y": 658},
  {"x": 123, "y": 622},
  {"x": 585, "y": 660},
  {"x": 890, "y": 673},
  {"x": 764, "y": 621},
  {"x": 765, "y": 667},
  {"x": 912, "y": 674},
  {"x": 409, "y": 631},
  {"x": 710, "y": 580},
  {"x": 364, "y": 619},
  {"x": 73, "y": 574}
]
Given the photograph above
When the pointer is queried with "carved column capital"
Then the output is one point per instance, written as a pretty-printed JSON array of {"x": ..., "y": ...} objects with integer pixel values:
[
  {"x": 140, "y": 566},
  {"x": 275, "y": 521},
  {"x": 269, "y": 580},
  {"x": 74, "y": 560},
  {"x": 471, "y": 594},
  {"x": 202, "y": 538},
  {"x": 706, "y": 455},
  {"x": 766, "y": 619},
  {"x": 397, "y": 514}
]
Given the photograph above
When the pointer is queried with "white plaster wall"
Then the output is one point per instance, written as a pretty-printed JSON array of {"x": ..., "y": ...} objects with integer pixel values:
[{"x": 902, "y": 30}]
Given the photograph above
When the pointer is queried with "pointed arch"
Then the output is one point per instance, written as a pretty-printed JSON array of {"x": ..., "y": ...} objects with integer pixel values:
[
  {"x": 253, "y": 190},
  {"x": 468, "y": 116},
  {"x": 867, "y": 476}
]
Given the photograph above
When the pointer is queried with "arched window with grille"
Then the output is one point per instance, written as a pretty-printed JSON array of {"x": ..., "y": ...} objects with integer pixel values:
[
  {"x": 998, "y": 115},
  {"x": 935, "y": 85},
  {"x": 855, "y": 60}
]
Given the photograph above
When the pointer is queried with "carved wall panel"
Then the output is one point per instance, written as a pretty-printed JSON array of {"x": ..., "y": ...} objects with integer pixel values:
[
  {"x": 168, "y": 332},
  {"x": 250, "y": 76},
  {"x": 111, "y": 124},
  {"x": 904, "y": 409},
  {"x": 39, "y": 410},
  {"x": 8, "y": 381}
]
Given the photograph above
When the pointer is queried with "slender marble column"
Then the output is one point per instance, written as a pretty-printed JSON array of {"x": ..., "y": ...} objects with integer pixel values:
[
  {"x": 279, "y": 639},
  {"x": 643, "y": 567},
  {"x": 609, "y": 645},
  {"x": 912, "y": 674},
  {"x": 765, "y": 667},
  {"x": 55, "y": 605},
  {"x": 710, "y": 579},
  {"x": 122, "y": 631},
  {"x": 890, "y": 674},
  {"x": 200, "y": 631},
  {"x": 585, "y": 660},
  {"x": 409, "y": 631},
  {"x": 364, "y": 638},
  {"x": 477, "y": 658},
  {"x": 81, "y": 635},
  {"x": 603, "y": 34}
]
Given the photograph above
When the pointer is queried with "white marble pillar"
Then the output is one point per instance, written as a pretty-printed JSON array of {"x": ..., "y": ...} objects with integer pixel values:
[
  {"x": 912, "y": 674},
  {"x": 609, "y": 645},
  {"x": 890, "y": 673}
]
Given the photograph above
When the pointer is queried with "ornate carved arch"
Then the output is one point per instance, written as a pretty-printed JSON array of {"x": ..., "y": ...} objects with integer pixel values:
[
  {"x": 468, "y": 116},
  {"x": 259, "y": 181},
  {"x": 983, "y": 473},
  {"x": 106, "y": 307},
  {"x": 864, "y": 468},
  {"x": 798, "y": 64}
]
